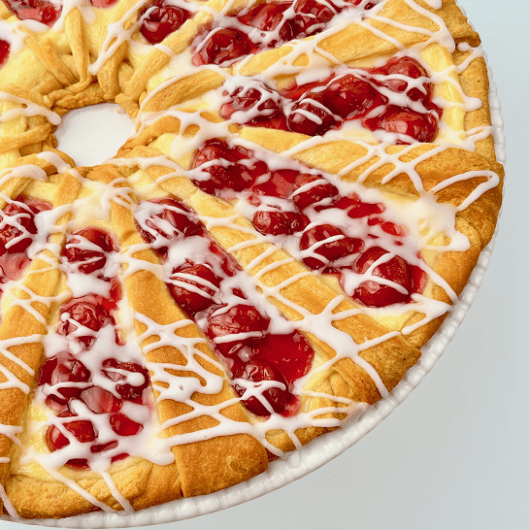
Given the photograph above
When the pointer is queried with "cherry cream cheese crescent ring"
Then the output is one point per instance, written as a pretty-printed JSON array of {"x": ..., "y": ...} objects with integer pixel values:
[{"x": 308, "y": 190}]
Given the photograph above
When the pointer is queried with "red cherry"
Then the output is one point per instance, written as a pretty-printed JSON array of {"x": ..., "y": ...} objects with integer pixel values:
[
  {"x": 57, "y": 404},
  {"x": 356, "y": 208},
  {"x": 240, "y": 318},
  {"x": 374, "y": 294},
  {"x": 217, "y": 149},
  {"x": 311, "y": 17},
  {"x": 90, "y": 315},
  {"x": 227, "y": 174},
  {"x": 199, "y": 296},
  {"x": 319, "y": 195},
  {"x": 79, "y": 249},
  {"x": 228, "y": 264},
  {"x": 103, "y": 3},
  {"x": 175, "y": 221},
  {"x": 281, "y": 183},
  {"x": 83, "y": 430},
  {"x": 260, "y": 103},
  {"x": 311, "y": 116},
  {"x": 16, "y": 221},
  {"x": 291, "y": 354},
  {"x": 406, "y": 67},
  {"x": 387, "y": 226},
  {"x": 100, "y": 401},
  {"x": 351, "y": 97},
  {"x": 161, "y": 20},
  {"x": 99, "y": 448},
  {"x": 126, "y": 391},
  {"x": 4, "y": 52},
  {"x": 40, "y": 10},
  {"x": 222, "y": 47},
  {"x": 257, "y": 371},
  {"x": 279, "y": 223},
  {"x": 267, "y": 17},
  {"x": 124, "y": 426},
  {"x": 420, "y": 127},
  {"x": 56, "y": 440},
  {"x": 233, "y": 177},
  {"x": 332, "y": 251},
  {"x": 61, "y": 369}
]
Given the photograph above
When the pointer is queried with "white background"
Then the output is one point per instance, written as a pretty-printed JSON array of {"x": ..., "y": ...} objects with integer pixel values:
[{"x": 456, "y": 454}]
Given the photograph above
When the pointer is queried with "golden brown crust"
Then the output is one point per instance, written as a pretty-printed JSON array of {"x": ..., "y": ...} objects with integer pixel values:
[{"x": 141, "y": 482}]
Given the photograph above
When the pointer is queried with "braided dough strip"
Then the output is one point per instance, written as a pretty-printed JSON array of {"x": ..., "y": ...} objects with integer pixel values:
[{"x": 42, "y": 280}]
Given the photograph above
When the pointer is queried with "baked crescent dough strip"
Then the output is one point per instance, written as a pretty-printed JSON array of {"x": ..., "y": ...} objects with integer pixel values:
[
  {"x": 26, "y": 321},
  {"x": 204, "y": 466}
]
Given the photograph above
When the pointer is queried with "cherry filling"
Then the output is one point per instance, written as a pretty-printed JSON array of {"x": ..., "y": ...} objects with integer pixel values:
[
  {"x": 83, "y": 318},
  {"x": 68, "y": 384},
  {"x": 264, "y": 364},
  {"x": 329, "y": 245},
  {"x": 17, "y": 232},
  {"x": 194, "y": 287},
  {"x": 388, "y": 98},
  {"x": 269, "y": 17},
  {"x": 222, "y": 46},
  {"x": 4, "y": 52},
  {"x": 159, "y": 19},
  {"x": 39, "y": 10},
  {"x": 361, "y": 248},
  {"x": 255, "y": 105},
  {"x": 230, "y": 174},
  {"x": 267, "y": 25},
  {"x": 86, "y": 249}
]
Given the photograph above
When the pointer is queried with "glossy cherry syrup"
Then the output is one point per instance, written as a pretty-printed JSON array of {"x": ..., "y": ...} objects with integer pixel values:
[
  {"x": 64, "y": 376},
  {"x": 322, "y": 247},
  {"x": 223, "y": 47},
  {"x": 4, "y": 52},
  {"x": 160, "y": 19},
  {"x": 254, "y": 355}
]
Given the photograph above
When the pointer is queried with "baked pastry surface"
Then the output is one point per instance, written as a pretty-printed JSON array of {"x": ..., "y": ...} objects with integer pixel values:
[{"x": 308, "y": 191}]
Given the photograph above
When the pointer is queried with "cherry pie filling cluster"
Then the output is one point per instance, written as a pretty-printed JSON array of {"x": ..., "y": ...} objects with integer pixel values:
[
  {"x": 396, "y": 97},
  {"x": 264, "y": 358},
  {"x": 90, "y": 379}
]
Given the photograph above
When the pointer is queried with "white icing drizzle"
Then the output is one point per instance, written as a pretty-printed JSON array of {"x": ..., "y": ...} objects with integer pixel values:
[{"x": 30, "y": 109}]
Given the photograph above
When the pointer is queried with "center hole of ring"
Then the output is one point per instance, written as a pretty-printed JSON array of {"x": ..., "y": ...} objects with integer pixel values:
[{"x": 94, "y": 134}]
